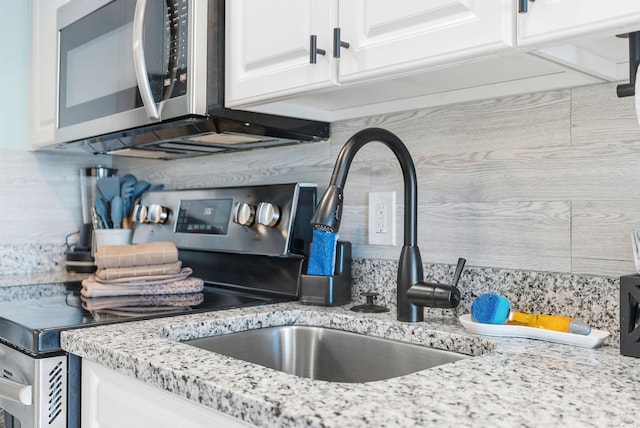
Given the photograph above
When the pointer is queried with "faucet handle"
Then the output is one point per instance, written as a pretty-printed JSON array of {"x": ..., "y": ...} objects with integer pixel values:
[
  {"x": 435, "y": 295},
  {"x": 458, "y": 272}
]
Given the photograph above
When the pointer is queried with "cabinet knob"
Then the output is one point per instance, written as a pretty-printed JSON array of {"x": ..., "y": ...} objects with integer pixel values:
[
  {"x": 523, "y": 5},
  {"x": 313, "y": 49},
  {"x": 337, "y": 43}
]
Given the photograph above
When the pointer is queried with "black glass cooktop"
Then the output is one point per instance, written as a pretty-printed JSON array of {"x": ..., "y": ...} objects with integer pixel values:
[{"x": 33, "y": 319}]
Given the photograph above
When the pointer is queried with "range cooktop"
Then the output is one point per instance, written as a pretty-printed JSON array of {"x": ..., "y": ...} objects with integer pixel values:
[
  {"x": 33, "y": 321},
  {"x": 248, "y": 244}
]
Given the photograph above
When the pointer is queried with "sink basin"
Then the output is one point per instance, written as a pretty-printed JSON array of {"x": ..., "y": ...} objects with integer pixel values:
[{"x": 326, "y": 354}]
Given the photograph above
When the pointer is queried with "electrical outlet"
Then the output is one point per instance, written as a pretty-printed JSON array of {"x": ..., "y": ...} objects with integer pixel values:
[{"x": 382, "y": 218}]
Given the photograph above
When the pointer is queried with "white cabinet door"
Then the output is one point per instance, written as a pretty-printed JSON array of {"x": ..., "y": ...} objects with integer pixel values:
[
  {"x": 557, "y": 20},
  {"x": 110, "y": 399},
  {"x": 268, "y": 48},
  {"x": 388, "y": 37},
  {"x": 43, "y": 60}
]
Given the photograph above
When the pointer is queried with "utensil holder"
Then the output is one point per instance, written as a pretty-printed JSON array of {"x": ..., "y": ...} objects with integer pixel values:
[
  {"x": 334, "y": 290},
  {"x": 630, "y": 315}
]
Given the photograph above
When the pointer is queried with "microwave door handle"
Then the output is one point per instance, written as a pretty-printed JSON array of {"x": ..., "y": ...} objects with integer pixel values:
[
  {"x": 15, "y": 391},
  {"x": 139, "y": 62}
]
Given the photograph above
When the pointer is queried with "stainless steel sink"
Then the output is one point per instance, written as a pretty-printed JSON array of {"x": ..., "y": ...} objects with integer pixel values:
[{"x": 326, "y": 354}]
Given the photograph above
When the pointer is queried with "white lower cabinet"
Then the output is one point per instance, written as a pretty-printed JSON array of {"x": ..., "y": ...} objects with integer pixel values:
[{"x": 113, "y": 400}]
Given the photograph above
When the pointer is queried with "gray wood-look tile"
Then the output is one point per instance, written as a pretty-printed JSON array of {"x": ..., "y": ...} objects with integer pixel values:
[{"x": 546, "y": 181}]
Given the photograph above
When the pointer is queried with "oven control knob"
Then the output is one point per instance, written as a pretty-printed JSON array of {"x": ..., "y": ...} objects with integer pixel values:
[
  {"x": 140, "y": 213},
  {"x": 245, "y": 214},
  {"x": 268, "y": 214},
  {"x": 157, "y": 214}
]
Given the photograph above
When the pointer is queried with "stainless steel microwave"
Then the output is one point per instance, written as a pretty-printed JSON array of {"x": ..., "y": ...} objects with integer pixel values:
[{"x": 146, "y": 78}]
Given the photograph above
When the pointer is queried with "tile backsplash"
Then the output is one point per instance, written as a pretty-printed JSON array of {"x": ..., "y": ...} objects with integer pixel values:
[
  {"x": 40, "y": 199},
  {"x": 537, "y": 192},
  {"x": 537, "y": 182}
]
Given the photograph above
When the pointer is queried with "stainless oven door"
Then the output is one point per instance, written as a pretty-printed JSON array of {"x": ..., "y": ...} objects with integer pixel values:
[
  {"x": 126, "y": 63},
  {"x": 33, "y": 391}
]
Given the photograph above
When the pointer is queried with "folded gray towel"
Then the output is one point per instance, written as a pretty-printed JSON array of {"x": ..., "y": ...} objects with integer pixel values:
[
  {"x": 109, "y": 274},
  {"x": 137, "y": 303},
  {"x": 93, "y": 288},
  {"x": 119, "y": 313},
  {"x": 148, "y": 279}
]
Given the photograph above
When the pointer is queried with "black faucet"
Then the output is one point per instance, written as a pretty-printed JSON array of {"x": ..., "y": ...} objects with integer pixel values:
[{"x": 413, "y": 292}]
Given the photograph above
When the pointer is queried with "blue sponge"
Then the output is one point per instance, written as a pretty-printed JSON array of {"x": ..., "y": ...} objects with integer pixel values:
[
  {"x": 322, "y": 260},
  {"x": 490, "y": 309}
]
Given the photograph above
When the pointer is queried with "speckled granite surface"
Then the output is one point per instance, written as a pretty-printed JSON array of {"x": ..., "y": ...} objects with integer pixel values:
[
  {"x": 510, "y": 382},
  {"x": 43, "y": 278},
  {"x": 593, "y": 299},
  {"x": 25, "y": 264},
  {"x": 19, "y": 259}
]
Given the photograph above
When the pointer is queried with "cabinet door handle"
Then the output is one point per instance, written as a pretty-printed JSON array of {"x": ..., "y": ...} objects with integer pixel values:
[
  {"x": 629, "y": 89},
  {"x": 313, "y": 49},
  {"x": 523, "y": 6},
  {"x": 337, "y": 43}
]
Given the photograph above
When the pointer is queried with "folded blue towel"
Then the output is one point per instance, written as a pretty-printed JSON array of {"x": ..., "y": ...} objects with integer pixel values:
[{"x": 322, "y": 260}]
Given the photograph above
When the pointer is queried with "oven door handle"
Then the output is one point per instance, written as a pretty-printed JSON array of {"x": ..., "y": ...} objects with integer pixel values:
[
  {"x": 15, "y": 391},
  {"x": 139, "y": 62}
]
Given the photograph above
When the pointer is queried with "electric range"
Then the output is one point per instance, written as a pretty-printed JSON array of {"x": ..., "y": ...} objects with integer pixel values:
[{"x": 249, "y": 244}]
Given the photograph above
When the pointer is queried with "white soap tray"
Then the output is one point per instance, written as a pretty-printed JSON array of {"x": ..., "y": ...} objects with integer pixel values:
[{"x": 593, "y": 340}]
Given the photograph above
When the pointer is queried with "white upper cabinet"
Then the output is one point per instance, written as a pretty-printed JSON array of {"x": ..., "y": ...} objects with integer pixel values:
[
  {"x": 581, "y": 34},
  {"x": 554, "y": 20},
  {"x": 43, "y": 60},
  {"x": 267, "y": 48},
  {"x": 390, "y": 37},
  {"x": 268, "y": 43}
]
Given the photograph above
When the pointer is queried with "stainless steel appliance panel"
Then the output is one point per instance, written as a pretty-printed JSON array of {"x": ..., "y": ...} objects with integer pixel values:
[
  {"x": 145, "y": 79},
  {"x": 100, "y": 87},
  {"x": 249, "y": 245},
  {"x": 33, "y": 392},
  {"x": 281, "y": 238}
]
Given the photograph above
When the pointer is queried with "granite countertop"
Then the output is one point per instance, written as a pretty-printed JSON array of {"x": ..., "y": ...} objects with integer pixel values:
[
  {"x": 507, "y": 382},
  {"x": 41, "y": 278}
]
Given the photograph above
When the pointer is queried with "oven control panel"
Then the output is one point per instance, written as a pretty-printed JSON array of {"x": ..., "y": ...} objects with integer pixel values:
[{"x": 263, "y": 220}]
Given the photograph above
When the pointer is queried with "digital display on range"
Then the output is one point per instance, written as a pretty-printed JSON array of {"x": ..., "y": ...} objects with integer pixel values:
[{"x": 205, "y": 216}]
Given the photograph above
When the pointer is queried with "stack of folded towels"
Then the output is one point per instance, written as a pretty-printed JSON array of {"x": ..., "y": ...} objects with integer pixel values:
[{"x": 143, "y": 278}]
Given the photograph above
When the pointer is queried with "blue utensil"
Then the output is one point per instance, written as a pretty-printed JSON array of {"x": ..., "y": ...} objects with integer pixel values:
[
  {"x": 127, "y": 184},
  {"x": 102, "y": 211},
  {"x": 108, "y": 187},
  {"x": 139, "y": 188},
  {"x": 116, "y": 211}
]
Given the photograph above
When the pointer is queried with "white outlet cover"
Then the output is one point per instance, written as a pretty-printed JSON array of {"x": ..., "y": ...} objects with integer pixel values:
[{"x": 382, "y": 218}]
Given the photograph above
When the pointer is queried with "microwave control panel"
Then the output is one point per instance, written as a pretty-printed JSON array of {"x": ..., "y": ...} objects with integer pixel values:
[{"x": 176, "y": 48}]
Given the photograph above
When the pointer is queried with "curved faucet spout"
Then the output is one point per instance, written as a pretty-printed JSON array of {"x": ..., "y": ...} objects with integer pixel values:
[
  {"x": 329, "y": 212},
  {"x": 413, "y": 293}
]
